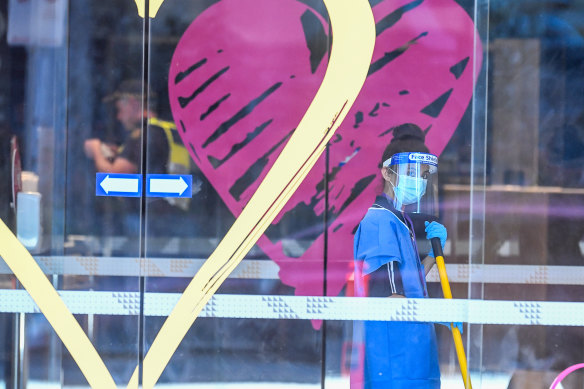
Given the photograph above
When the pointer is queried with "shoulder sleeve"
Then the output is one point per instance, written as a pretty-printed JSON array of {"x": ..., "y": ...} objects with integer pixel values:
[
  {"x": 386, "y": 281},
  {"x": 376, "y": 243}
]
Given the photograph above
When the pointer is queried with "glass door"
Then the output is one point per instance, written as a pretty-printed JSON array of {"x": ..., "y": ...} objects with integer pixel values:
[
  {"x": 226, "y": 194},
  {"x": 72, "y": 100}
]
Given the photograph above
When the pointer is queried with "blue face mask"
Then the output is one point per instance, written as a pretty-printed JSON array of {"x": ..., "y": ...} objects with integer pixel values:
[{"x": 409, "y": 189}]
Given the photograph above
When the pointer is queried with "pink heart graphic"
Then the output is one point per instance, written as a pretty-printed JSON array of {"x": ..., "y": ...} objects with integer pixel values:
[{"x": 245, "y": 72}]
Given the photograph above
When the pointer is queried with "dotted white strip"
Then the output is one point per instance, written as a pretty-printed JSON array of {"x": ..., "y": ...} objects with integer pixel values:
[
  {"x": 267, "y": 269},
  {"x": 316, "y": 308},
  {"x": 152, "y": 267},
  {"x": 512, "y": 274}
]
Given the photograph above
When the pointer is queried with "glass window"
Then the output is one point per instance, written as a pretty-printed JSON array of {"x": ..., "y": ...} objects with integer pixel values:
[{"x": 135, "y": 153}]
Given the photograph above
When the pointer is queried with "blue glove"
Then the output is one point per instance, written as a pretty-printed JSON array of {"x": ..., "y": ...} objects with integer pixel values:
[
  {"x": 457, "y": 325},
  {"x": 435, "y": 230}
]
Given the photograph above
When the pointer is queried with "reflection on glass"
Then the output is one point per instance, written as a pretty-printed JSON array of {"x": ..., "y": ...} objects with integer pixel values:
[
  {"x": 388, "y": 264},
  {"x": 495, "y": 87}
]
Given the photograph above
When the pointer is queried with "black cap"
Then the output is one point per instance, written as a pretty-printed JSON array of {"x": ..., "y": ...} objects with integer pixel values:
[{"x": 128, "y": 88}]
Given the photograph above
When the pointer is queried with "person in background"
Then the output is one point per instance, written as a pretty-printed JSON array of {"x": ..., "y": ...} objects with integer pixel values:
[
  {"x": 387, "y": 264},
  {"x": 165, "y": 153},
  {"x": 132, "y": 113}
]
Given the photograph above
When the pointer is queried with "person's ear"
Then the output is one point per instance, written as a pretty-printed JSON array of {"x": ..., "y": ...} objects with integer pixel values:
[
  {"x": 386, "y": 174},
  {"x": 136, "y": 105}
]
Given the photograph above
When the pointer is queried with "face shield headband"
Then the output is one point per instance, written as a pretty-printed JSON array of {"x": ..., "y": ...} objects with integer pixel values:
[{"x": 418, "y": 158}]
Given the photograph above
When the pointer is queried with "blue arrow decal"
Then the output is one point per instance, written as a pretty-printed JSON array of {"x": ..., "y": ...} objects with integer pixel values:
[
  {"x": 119, "y": 185},
  {"x": 169, "y": 185}
]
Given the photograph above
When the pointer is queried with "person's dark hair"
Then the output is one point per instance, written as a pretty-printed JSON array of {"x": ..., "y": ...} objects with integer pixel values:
[{"x": 406, "y": 138}]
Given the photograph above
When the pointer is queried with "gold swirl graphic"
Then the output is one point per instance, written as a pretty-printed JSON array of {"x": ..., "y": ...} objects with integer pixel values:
[
  {"x": 154, "y": 6},
  {"x": 353, "y": 28},
  {"x": 52, "y": 306}
]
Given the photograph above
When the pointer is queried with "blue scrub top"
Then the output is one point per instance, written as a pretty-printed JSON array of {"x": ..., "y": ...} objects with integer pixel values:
[{"x": 391, "y": 355}]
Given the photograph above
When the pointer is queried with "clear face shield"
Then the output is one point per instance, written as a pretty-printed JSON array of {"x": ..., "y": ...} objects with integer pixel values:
[{"x": 414, "y": 182}]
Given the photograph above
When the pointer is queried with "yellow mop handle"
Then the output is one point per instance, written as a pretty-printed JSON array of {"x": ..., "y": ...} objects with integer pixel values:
[{"x": 455, "y": 331}]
